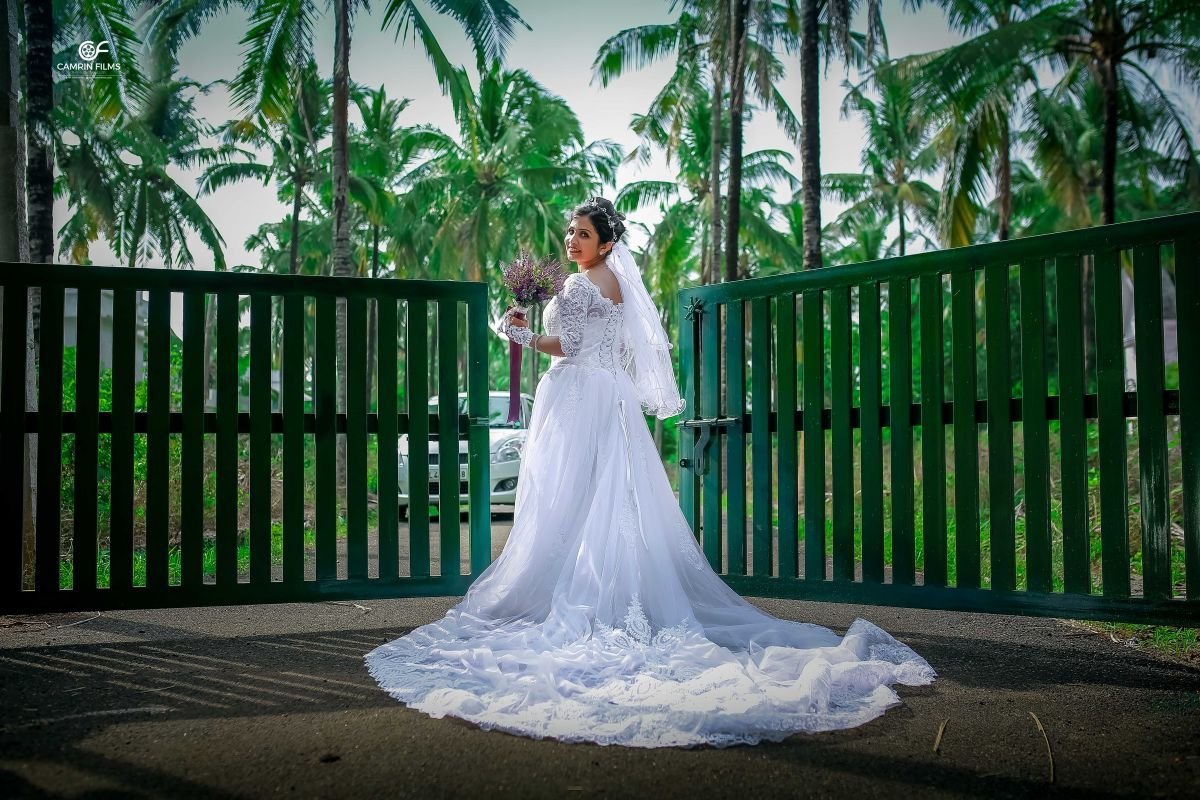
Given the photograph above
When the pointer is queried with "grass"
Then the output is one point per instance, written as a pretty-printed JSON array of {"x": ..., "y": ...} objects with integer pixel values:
[{"x": 1180, "y": 644}]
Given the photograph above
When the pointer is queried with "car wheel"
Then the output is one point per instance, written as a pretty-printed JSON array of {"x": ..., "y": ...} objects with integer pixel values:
[{"x": 402, "y": 512}]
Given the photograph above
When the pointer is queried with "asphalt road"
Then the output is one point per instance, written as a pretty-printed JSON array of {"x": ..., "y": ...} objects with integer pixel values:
[{"x": 274, "y": 701}]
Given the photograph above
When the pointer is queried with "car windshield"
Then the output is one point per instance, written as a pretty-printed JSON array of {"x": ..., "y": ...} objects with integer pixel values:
[{"x": 497, "y": 411}]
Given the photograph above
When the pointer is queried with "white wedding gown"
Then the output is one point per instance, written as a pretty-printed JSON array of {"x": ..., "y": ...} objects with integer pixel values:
[{"x": 601, "y": 621}]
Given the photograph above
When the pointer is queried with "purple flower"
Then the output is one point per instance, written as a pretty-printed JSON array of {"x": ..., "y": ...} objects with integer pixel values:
[{"x": 534, "y": 282}]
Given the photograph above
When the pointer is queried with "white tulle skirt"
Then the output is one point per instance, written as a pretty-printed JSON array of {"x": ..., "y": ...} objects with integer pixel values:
[{"x": 601, "y": 621}]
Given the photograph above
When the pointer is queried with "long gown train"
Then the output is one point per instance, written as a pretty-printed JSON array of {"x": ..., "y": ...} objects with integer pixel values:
[{"x": 601, "y": 620}]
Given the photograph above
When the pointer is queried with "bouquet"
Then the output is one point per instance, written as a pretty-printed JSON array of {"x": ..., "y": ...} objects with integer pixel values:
[{"x": 532, "y": 283}]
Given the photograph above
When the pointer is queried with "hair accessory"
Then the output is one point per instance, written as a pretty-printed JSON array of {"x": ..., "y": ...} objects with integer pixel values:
[{"x": 612, "y": 220}]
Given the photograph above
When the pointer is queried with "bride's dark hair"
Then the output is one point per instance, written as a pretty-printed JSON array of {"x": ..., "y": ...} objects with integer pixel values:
[{"x": 604, "y": 216}]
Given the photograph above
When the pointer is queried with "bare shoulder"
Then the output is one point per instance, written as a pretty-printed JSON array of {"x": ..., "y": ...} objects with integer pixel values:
[{"x": 606, "y": 282}]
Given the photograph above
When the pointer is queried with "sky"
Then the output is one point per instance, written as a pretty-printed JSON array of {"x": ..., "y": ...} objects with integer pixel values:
[{"x": 558, "y": 52}]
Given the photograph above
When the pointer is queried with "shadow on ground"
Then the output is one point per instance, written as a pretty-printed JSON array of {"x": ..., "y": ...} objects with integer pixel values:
[{"x": 275, "y": 700}]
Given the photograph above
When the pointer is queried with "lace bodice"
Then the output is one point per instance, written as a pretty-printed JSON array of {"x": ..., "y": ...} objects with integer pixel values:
[{"x": 588, "y": 324}]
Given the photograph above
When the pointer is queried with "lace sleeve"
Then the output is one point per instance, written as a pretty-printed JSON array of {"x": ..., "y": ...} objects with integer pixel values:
[{"x": 573, "y": 304}]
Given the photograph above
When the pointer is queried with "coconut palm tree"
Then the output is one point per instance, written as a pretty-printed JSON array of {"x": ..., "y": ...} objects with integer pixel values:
[
  {"x": 699, "y": 41},
  {"x": 292, "y": 144},
  {"x": 858, "y": 236},
  {"x": 14, "y": 234},
  {"x": 898, "y": 152},
  {"x": 55, "y": 27},
  {"x": 1061, "y": 187},
  {"x": 685, "y": 197},
  {"x": 834, "y": 38},
  {"x": 1112, "y": 43},
  {"x": 507, "y": 181},
  {"x": 154, "y": 213},
  {"x": 976, "y": 115},
  {"x": 14, "y": 246}
]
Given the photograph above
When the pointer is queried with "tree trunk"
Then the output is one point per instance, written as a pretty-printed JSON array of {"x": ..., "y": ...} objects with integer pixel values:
[
  {"x": 1004, "y": 182},
  {"x": 14, "y": 233},
  {"x": 294, "y": 243},
  {"x": 737, "y": 102},
  {"x": 341, "y": 226},
  {"x": 293, "y": 257},
  {"x": 902, "y": 232},
  {"x": 708, "y": 265},
  {"x": 14, "y": 246},
  {"x": 210, "y": 326},
  {"x": 1108, "y": 205},
  {"x": 810, "y": 142},
  {"x": 40, "y": 165}
]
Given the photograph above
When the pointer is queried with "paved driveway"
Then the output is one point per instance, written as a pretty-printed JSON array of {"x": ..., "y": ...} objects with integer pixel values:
[{"x": 274, "y": 701}]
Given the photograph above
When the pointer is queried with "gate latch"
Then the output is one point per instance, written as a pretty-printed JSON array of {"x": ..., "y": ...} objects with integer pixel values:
[{"x": 699, "y": 464}]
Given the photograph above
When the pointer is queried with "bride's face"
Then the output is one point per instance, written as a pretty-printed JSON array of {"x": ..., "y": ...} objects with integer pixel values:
[{"x": 583, "y": 243}]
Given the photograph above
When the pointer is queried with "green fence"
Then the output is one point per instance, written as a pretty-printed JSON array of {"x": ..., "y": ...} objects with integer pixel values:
[
  {"x": 943, "y": 430},
  {"x": 68, "y": 564}
]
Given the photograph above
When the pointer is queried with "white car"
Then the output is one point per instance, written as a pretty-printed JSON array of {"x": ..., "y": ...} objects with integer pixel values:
[{"x": 506, "y": 440}]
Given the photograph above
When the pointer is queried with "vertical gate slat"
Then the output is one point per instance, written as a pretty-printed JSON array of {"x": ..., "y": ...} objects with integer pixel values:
[
  {"x": 900, "y": 420},
  {"x": 389, "y": 523},
  {"x": 1110, "y": 366},
  {"x": 158, "y": 433},
  {"x": 814, "y": 436},
  {"x": 1152, "y": 423},
  {"x": 416, "y": 368},
  {"x": 966, "y": 434},
  {"x": 870, "y": 400},
  {"x": 121, "y": 521},
  {"x": 1072, "y": 426},
  {"x": 786, "y": 415},
  {"x": 325, "y": 406},
  {"x": 1001, "y": 481},
  {"x": 842, "y": 440},
  {"x": 1034, "y": 432},
  {"x": 710, "y": 397},
  {"x": 191, "y": 501},
  {"x": 479, "y": 477},
  {"x": 227, "y": 439},
  {"x": 448, "y": 447},
  {"x": 933, "y": 443},
  {"x": 16, "y": 302},
  {"x": 735, "y": 435},
  {"x": 260, "y": 439},
  {"x": 1187, "y": 305},
  {"x": 760, "y": 348},
  {"x": 50, "y": 425},
  {"x": 356, "y": 438},
  {"x": 293, "y": 439},
  {"x": 87, "y": 437},
  {"x": 689, "y": 363}
]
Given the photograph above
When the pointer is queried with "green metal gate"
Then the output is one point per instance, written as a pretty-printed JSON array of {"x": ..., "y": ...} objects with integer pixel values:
[
  {"x": 67, "y": 565},
  {"x": 866, "y": 391}
]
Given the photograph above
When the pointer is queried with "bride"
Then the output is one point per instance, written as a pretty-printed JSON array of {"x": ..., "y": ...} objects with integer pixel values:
[{"x": 601, "y": 620}]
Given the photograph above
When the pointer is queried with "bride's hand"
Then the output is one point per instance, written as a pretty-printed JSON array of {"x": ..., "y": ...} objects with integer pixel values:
[{"x": 509, "y": 325}]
